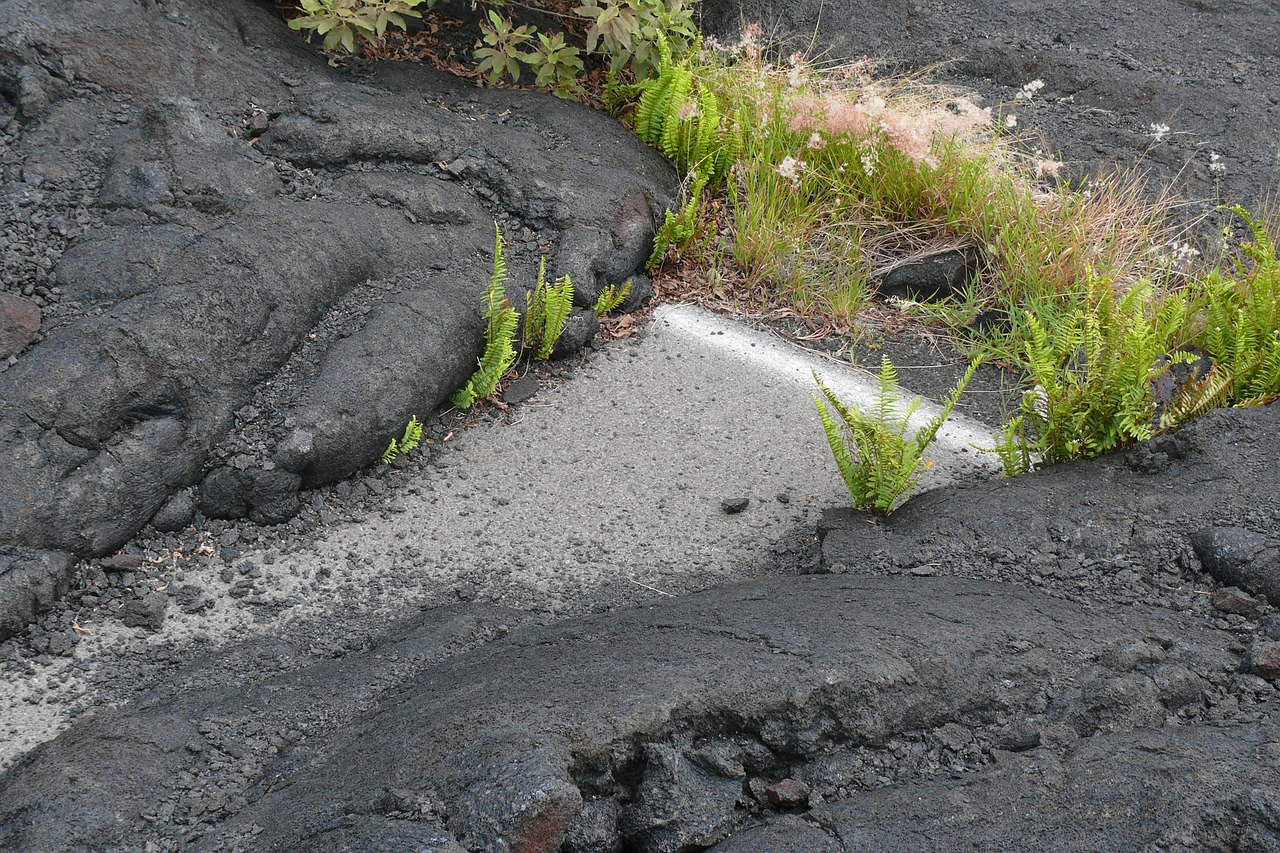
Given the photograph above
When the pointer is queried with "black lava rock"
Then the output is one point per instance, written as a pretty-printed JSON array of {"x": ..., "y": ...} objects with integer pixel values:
[
  {"x": 1239, "y": 557},
  {"x": 266, "y": 497},
  {"x": 176, "y": 513},
  {"x": 936, "y": 276},
  {"x": 678, "y": 806},
  {"x": 146, "y": 612}
]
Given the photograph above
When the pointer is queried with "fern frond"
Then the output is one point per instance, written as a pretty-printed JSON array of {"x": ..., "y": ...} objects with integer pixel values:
[
  {"x": 535, "y": 317},
  {"x": 660, "y": 101},
  {"x": 1266, "y": 380},
  {"x": 501, "y": 324},
  {"x": 1261, "y": 250},
  {"x": 412, "y": 434},
  {"x": 610, "y": 298},
  {"x": 495, "y": 292},
  {"x": 547, "y": 310},
  {"x": 678, "y": 229},
  {"x": 836, "y": 441},
  {"x": 879, "y": 465},
  {"x": 1198, "y": 397},
  {"x": 669, "y": 143},
  {"x": 1013, "y": 450},
  {"x": 558, "y": 304},
  {"x": 706, "y": 135},
  {"x": 499, "y": 356},
  {"x": 648, "y": 115},
  {"x": 408, "y": 441},
  {"x": 926, "y": 436}
]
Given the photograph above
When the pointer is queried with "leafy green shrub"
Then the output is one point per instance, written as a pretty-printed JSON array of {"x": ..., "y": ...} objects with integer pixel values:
[
  {"x": 557, "y": 66},
  {"x": 625, "y": 32},
  {"x": 408, "y": 441},
  {"x": 343, "y": 23},
  {"x": 630, "y": 32},
  {"x": 500, "y": 331},
  {"x": 499, "y": 52},
  {"x": 547, "y": 310},
  {"x": 879, "y": 464}
]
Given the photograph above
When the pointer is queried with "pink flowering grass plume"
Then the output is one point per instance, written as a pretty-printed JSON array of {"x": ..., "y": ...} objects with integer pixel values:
[
  {"x": 749, "y": 44},
  {"x": 1048, "y": 168},
  {"x": 911, "y": 135},
  {"x": 909, "y": 120},
  {"x": 837, "y": 113},
  {"x": 688, "y": 111}
]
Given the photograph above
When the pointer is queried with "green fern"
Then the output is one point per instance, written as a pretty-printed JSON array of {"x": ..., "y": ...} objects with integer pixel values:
[
  {"x": 678, "y": 229},
  {"x": 879, "y": 464},
  {"x": 1093, "y": 374},
  {"x": 1241, "y": 329},
  {"x": 408, "y": 441},
  {"x": 686, "y": 124},
  {"x": 1014, "y": 450},
  {"x": 610, "y": 298},
  {"x": 669, "y": 140},
  {"x": 655, "y": 101},
  {"x": 1212, "y": 391},
  {"x": 500, "y": 332},
  {"x": 547, "y": 310},
  {"x": 618, "y": 96}
]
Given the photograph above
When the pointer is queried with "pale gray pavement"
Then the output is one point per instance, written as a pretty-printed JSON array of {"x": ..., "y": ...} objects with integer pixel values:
[{"x": 603, "y": 491}]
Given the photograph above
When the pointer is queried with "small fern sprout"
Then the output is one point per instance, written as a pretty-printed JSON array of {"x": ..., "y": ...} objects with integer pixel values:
[
  {"x": 610, "y": 298},
  {"x": 500, "y": 331},
  {"x": 408, "y": 441},
  {"x": 389, "y": 455},
  {"x": 879, "y": 464},
  {"x": 547, "y": 311}
]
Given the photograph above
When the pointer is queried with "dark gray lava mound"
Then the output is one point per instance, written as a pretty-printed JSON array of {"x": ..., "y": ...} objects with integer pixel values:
[
  {"x": 994, "y": 712},
  {"x": 245, "y": 263}
]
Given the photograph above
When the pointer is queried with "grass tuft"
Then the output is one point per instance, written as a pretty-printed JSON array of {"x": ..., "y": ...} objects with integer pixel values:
[{"x": 844, "y": 175}]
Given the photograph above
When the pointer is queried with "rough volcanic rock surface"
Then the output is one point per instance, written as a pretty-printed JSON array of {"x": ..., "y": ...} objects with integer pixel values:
[
  {"x": 246, "y": 261},
  {"x": 997, "y": 662},
  {"x": 642, "y": 710}
]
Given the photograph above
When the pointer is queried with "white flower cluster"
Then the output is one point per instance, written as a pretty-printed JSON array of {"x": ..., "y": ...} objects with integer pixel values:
[
  {"x": 791, "y": 169},
  {"x": 869, "y": 159},
  {"x": 1175, "y": 255}
]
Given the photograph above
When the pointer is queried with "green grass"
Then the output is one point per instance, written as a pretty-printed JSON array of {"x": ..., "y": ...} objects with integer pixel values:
[{"x": 840, "y": 175}]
